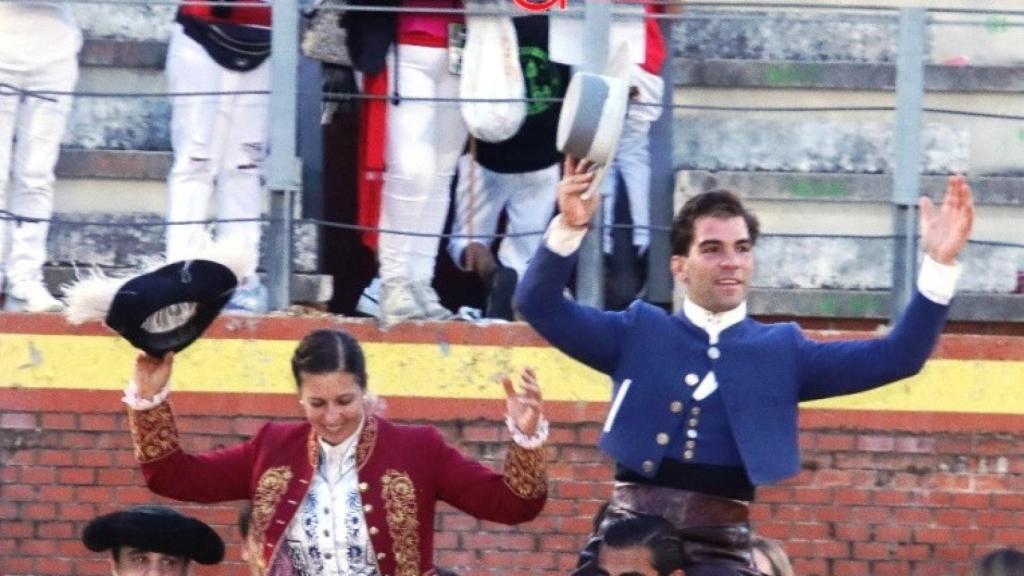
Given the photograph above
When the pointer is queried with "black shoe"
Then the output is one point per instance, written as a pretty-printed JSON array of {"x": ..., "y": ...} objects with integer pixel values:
[{"x": 502, "y": 288}]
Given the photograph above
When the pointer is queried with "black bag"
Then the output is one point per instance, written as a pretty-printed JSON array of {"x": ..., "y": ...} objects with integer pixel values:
[
  {"x": 234, "y": 46},
  {"x": 370, "y": 34}
]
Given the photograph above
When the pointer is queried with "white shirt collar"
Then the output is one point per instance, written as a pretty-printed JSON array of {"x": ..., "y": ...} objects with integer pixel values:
[
  {"x": 714, "y": 322},
  {"x": 333, "y": 461}
]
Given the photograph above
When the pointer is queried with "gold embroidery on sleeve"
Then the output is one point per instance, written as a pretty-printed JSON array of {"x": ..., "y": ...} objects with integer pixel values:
[
  {"x": 367, "y": 440},
  {"x": 400, "y": 508},
  {"x": 526, "y": 471},
  {"x": 153, "y": 432},
  {"x": 269, "y": 489}
]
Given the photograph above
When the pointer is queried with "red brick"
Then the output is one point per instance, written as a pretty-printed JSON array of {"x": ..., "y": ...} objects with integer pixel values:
[
  {"x": 55, "y": 493},
  {"x": 850, "y": 568},
  {"x": 116, "y": 476},
  {"x": 871, "y": 551},
  {"x": 38, "y": 475},
  {"x": 19, "y": 529},
  {"x": 913, "y": 552},
  {"x": 78, "y": 512},
  {"x": 60, "y": 421},
  {"x": 892, "y": 533},
  {"x": 1009, "y": 536},
  {"x": 849, "y": 496},
  {"x": 59, "y": 566},
  {"x": 915, "y": 444},
  {"x": 933, "y": 535},
  {"x": 96, "y": 494},
  {"x": 18, "y": 421},
  {"x": 95, "y": 458},
  {"x": 836, "y": 442},
  {"x": 971, "y": 500},
  {"x": 812, "y": 495},
  {"x": 37, "y": 547},
  {"x": 954, "y": 518},
  {"x": 954, "y": 553},
  {"x": 876, "y": 443},
  {"x": 39, "y": 511},
  {"x": 77, "y": 476},
  {"x": 55, "y": 457},
  {"x": 994, "y": 518},
  {"x": 55, "y": 530},
  {"x": 18, "y": 493},
  {"x": 832, "y": 550},
  {"x": 851, "y": 532},
  {"x": 891, "y": 497}
]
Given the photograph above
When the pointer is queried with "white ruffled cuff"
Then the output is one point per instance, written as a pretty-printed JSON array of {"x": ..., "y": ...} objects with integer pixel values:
[
  {"x": 938, "y": 281},
  {"x": 528, "y": 442},
  {"x": 563, "y": 239},
  {"x": 131, "y": 397}
]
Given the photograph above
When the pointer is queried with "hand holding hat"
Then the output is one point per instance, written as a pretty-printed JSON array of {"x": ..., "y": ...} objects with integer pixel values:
[{"x": 574, "y": 203}]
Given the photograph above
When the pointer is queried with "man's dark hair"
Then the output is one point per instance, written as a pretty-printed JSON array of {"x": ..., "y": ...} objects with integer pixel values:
[
  {"x": 652, "y": 532},
  {"x": 324, "y": 351},
  {"x": 716, "y": 203}
]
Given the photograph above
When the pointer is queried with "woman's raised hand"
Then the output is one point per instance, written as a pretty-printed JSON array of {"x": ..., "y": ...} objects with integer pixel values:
[
  {"x": 525, "y": 405},
  {"x": 152, "y": 374}
]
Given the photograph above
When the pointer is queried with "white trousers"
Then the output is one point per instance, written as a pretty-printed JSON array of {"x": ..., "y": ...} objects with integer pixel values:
[
  {"x": 633, "y": 159},
  {"x": 31, "y": 130},
  {"x": 424, "y": 141},
  {"x": 481, "y": 194},
  {"x": 220, "y": 144}
]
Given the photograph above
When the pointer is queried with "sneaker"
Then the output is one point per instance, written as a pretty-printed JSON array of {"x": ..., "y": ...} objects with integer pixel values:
[
  {"x": 398, "y": 303},
  {"x": 369, "y": 300},
  {"x": 31, "y": 296},
  {"x": 430, "y": 303},
  {"x": 251, "y": 297},
  {"x": 502, "y": 288}
]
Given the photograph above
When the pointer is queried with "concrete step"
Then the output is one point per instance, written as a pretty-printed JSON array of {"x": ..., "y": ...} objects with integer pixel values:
[{"x": 132, "y": 239}]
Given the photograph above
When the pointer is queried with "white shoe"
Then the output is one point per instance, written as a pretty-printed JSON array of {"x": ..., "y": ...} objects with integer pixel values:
[
  {"x": 31, "y": 296},
  {"x": 398, "y": 303},
  {"x": 430, "y": 303}
]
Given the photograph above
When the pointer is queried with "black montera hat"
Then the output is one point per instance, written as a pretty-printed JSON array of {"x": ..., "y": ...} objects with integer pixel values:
[
  {"x": 169, "y": 308},
  {"x": 155, "y": 529}
]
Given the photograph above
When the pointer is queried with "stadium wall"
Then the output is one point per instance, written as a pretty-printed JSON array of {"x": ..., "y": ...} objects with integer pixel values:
[{"x": 915, "y": 479}]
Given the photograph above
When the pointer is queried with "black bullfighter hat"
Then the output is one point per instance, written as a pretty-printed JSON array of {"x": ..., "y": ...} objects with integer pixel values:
[
  {"x": 167, "y": 307},
  {"x": 155, "y": 529}
]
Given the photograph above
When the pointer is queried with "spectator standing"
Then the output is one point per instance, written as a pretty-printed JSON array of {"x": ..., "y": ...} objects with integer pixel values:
[
  {"x": 219, "y": 138},
  {"x": 516, "y": 176},
  {"x": 39, "y": 46},
  {"x": 632, "y": 163},
  {"x": 404, "y": 182}
]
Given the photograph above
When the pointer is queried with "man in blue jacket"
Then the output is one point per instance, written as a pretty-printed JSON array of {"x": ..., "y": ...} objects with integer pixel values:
[{"x": 704, "y": 404}]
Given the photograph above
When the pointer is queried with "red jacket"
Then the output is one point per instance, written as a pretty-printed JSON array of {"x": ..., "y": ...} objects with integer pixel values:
[{"x": 403, "y": 472}]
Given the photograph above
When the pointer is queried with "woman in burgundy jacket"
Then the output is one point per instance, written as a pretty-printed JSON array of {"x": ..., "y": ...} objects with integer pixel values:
[{"x": 344, "y": 491}]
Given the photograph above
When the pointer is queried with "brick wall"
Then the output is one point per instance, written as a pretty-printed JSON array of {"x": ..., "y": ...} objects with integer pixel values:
[
  {"x": 916, "y": 482},
  {"x": 907, "y": 495}
]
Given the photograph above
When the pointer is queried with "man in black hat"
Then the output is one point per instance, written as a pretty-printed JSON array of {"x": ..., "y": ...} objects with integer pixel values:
[{"x": 153, "y": 540}]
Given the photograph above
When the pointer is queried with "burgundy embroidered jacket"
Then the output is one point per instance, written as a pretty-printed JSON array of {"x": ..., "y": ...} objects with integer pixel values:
[{"x": 403, "y": 471}]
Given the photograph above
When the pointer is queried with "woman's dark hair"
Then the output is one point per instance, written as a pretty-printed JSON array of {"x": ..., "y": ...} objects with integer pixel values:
[
  {"x": 717, "y": 203},
  {"x": 1002, "y": 562},
  {"x": 325, "y": 351},
  {"x": 652, "y": 532}
]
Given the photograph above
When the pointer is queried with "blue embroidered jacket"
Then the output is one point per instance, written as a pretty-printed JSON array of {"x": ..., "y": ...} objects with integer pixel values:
[{"x": 763, "y": 370}]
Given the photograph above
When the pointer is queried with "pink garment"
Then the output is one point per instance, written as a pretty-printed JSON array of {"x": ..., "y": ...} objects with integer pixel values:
[{"x": 434, "y": 25}]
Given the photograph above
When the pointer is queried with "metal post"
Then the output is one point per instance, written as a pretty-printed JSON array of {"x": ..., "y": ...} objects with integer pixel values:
[
  {"x": 590, "y": 267},
  {"x": 283, "y": 176},
  {"x": 910, "y": 67},
  {"x": 659, "y": 279}
]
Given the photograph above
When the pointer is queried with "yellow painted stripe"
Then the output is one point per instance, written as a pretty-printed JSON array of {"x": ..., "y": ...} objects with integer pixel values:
[{"x": 450, "y": 371}]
